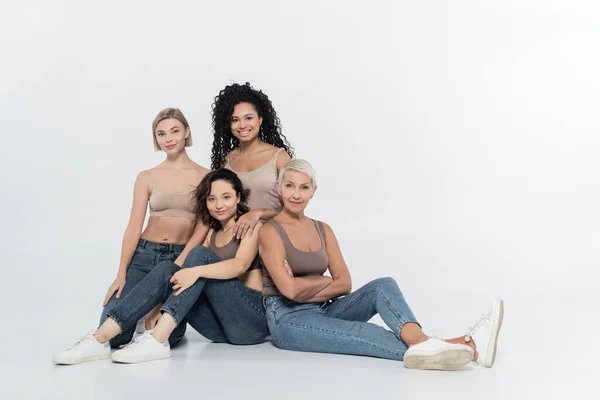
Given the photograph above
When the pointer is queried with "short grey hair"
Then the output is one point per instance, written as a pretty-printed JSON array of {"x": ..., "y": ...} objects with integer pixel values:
[{"x": 299, "y": 165}]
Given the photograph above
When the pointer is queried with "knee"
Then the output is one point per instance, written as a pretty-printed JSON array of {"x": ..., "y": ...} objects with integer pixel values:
[
  {"x": 200, "y": 255},
  {"x": 166, "y": 268},
  {"x": 386, "y": 283}
]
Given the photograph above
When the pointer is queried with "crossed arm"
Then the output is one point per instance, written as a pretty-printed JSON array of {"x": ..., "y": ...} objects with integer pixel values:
[{"x": 309, "y": 289}]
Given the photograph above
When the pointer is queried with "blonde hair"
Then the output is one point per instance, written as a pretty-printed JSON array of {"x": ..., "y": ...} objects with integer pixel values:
[
  {"x": 299, "y": 165},
  {"x": 168, "y": 113}
]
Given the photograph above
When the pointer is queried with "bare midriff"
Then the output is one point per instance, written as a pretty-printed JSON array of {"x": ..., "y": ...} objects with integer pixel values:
[
  {"x": 252, "y": 279},
  {"x": 172, "y": 230}
]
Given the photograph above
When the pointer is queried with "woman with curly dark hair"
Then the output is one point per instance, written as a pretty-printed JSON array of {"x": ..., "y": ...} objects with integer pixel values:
[
  {"x": 248, "y": 141},
  {"x": 227, "y": 270}
]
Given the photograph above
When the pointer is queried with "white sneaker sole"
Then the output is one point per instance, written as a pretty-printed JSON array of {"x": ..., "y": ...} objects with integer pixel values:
[
  {"x": 139, "y": 358},
  {"x": 498, "y": 309},
  {"x": 447, "y": 360},
  {"x": 66, "y": 361}
]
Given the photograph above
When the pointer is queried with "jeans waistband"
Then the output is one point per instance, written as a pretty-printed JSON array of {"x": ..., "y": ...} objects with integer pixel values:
[{"x": 166, "y": 247}]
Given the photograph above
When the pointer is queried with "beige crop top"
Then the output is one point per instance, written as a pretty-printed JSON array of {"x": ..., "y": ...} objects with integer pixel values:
[
  {"x": 261, "y": 182},
  {"x": 169, "y": 204}
]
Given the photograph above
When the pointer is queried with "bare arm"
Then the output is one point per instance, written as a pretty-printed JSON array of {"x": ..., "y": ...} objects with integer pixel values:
[
  {"x": 141, "y": 194},
  {"x": 232, "y": 268},
  {"x": 273, "y": 255},
  {"x": 197, "y": 239},
  {"x": 342, "y": 282}
]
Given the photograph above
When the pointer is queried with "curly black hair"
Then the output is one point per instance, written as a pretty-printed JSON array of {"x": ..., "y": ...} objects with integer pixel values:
[
  {"x": 203, "y": 191},
  {"x": 222, "y": 110}
]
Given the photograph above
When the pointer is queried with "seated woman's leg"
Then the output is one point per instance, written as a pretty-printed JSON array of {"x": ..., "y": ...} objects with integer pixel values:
[
  {"x": 381, "y": 296},
  {"x": 304, "y": 327},
  {"x": 200, "y": 255},
  {"x": 152, "y": 345},
  {"x": 153, "y": 289},
  {"x": 161, "y": 276},
  {"x": 176, "y": 337},
  {"x": 240, "y": 311},
  {"x": 202, "y": 318},
  {"x": 134, "y": 276},
  {"x": 179, "y": 306}
]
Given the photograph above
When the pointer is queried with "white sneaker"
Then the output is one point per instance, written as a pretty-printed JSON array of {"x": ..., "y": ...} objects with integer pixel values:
[
  {"x": 143, "y": 348},
  {"x": 485, "y": 334},
  {"x": 435, "y": 353},
  {"x": 86, "y": 349}
]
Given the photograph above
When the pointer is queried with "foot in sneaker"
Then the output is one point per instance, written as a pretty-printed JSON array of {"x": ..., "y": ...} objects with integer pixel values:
[
  {"x": 86, "y": 349},
  {"x": 436, "y": 353},
  {"x": 143, "y": 348},
  {"x": 485, "y": 334}
]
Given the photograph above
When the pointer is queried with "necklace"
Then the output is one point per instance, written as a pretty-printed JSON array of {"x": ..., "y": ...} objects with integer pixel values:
[{"x": 225, "y": 230}]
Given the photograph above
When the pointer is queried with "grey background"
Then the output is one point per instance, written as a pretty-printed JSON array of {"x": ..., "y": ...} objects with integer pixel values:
[{"x": 455, "y": 144}]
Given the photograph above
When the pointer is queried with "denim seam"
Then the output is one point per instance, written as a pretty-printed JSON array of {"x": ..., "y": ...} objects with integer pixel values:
[
  {"x": 253, "y": 340},
  {"x": 252, "y": 305},
  {"x": 178, "y": 299},
  {"x": 398, "y": 316},
  {"x": 140, "y": 305},
  {"x": 116, "y": 319},
  {"x": 386, "y": 301},
  {"x": 350, "y": 304},
  {"x": 402, "y": 320},
  {"x": 334, "y": 333}
]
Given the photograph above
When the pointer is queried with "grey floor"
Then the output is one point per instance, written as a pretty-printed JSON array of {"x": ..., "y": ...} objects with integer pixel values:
[{"x": 548, "y": 349}]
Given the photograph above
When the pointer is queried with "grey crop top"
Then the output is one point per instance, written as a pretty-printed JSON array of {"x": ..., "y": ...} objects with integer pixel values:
[
  {"x": 302, "y": 263},
  {"x": 229, "y": 251}
]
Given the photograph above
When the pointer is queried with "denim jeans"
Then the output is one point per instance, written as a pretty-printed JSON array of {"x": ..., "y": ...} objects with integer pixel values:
[
  {"x": 146, "y": 257},
  {"x": 341, "y": 326},
  {"x": 220, "y": 310}
]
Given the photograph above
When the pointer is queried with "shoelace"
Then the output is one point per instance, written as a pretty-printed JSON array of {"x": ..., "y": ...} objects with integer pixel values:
[
  {"x": 84, "y": 340},
  {"x": 139, "y": 341},
  {"x": 480, "y": 322}
]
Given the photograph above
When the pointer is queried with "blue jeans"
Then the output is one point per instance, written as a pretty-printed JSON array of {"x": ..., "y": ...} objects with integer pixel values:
[
  {"x": 341, "y": 326},
  {"x": 146, "y": 257},
  {"x": 220, "y": 310}
]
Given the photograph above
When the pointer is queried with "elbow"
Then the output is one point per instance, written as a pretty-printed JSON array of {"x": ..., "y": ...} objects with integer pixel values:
[
  {"x": 289, "y": 293},
  {"x": 346, "y": 286},
  {"x": 240, "y": 267}
]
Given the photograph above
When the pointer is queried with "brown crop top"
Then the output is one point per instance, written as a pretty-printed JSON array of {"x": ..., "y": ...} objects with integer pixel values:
[
  {"x": 229, "y": 251},
  {"x": 168, "y": 204},
  {"x": 302, "y": 263}
]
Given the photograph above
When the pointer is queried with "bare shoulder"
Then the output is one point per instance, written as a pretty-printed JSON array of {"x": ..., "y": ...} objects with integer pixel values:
[
  {"x": 200, "y": 171},
  {"x": 255, "y": 233},
  {"x": 327, "y": 229},
  {"x": 232, "y": 155},
  {"x": 267, "y": 232},
  {"x": 282, "y": 158},
  {"x": 144, "y": 178}
]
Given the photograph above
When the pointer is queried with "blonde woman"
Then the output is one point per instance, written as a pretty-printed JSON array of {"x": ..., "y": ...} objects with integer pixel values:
[
  {"x": 309, "y": 311},
  {"x": 172, "y": 229}
]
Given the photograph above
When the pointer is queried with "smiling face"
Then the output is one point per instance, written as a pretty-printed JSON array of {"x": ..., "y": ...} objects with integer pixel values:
[
  {"x": 170, "y": 135},
  {"x": 222, "y": 201},
  {"x": 296, "y": 190},
  {"x": 245, "y": 122}
]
